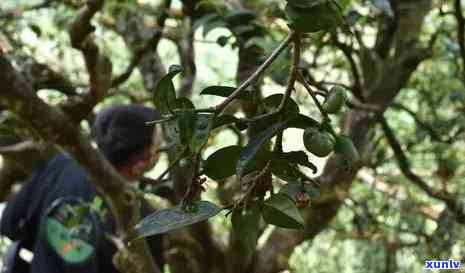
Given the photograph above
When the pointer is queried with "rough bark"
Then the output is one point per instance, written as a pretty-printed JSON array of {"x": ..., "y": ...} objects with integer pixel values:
[
  {"x": 381, "y": 86},
  {"x": 19, "y": 97}
]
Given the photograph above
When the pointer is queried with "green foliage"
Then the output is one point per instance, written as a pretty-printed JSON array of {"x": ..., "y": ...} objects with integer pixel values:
[
  {"x": 164, "y": 95},
  {"x": 281, "y": 211},
  {"x": 221, "y": 164},
  {"x": 381, "y": 201},
  {"x": 165, "y": 220},
  {"x": 313, "y": 16},
  {"x": 225, "y": 91},
  {"x": 246, "y": 224}
]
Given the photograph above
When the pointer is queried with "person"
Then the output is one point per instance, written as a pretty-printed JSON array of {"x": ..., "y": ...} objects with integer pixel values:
[{"x": 58, "y": 213}]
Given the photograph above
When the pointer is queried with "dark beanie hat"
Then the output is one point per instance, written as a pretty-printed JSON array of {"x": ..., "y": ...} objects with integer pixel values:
[{"x": 122, "y": 131}]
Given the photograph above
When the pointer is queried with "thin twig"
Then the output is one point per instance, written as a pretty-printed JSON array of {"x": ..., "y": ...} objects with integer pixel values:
[
  {"x": 158, "y": 121},
  {"x": 172, "y": 164},
  {"x": 294, "y": 72},
  {"x": 149, "y": 45},
  {"x": 313, "y": 95},
  {"x": 404, "y": 165},
  {"x": 460, "y": 33},
  {"x": 220, "y": 107}
]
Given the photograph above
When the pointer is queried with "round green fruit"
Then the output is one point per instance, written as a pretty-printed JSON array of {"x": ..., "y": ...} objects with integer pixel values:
[
  {"x": 335, "y": 100},
  {"x": 318, "y": 142},
  {"x": 347, "y": 149}
]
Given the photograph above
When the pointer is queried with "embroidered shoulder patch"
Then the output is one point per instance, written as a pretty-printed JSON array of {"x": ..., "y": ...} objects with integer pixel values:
[{"x": 70, "y": 230}]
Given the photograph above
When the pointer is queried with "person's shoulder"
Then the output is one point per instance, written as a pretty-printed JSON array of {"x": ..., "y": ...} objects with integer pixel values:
[{"x": 72, "y": 178}]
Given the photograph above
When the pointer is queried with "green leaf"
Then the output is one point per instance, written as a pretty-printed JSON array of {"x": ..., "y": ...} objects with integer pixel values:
[
  {"x": 223, "y": 120},
  {"x": 305, "y": 4},
  {"x": 295, "y": 157},
  {"x": 295, "y": 121},
  {"x": 206, "y": 19},
  {"x": 255, "y": 41},
  {"x": 172, "y": 133},
  {"x": 301, "y": 121},
  {"x": 186, "y": 121},
  {"x": 211, "y": 25},
  {"x": 243, "y": 30},
  {"x": 281, "y": 211},
  {"x": 246, "y": 223},
  {"x": 209, "y": 22},
  {"x": 241, "y": 125},
  {"x": 183, "y": 103},
  {"x": 240, "y": 17},
  {"x": 286, "y": 170},
  {"x": 271, "y": 104},
  {"x": 202, "y": 128},
  {"x": 221, "y": 164},
  {"x": 164, "y": 95},
  {"x": 324, "y": 16},
  {"x": 225, "y": 91},
  {"x": 173, "y": 218},
  {"x": 254, "y": 146}
]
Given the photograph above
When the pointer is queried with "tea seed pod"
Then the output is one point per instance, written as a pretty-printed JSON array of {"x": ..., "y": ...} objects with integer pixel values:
[
  {"x": 317, "y": 142},
  {"x": 335, "y": 101}
]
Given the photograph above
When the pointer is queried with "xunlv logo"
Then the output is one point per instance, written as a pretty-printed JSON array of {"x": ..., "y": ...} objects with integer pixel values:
[{"x": 450, "y": 264}]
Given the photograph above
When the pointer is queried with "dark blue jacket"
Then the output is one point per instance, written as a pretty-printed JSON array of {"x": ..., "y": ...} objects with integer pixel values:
[{"x": 23, "y": 219}]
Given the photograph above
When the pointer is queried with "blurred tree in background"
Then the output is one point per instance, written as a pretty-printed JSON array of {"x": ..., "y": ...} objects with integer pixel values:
[{"x": 401, "y": 61}]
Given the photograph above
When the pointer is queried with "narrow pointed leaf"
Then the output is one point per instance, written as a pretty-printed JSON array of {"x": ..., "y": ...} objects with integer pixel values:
[
  {"x": 301, "y": 121},
  {"x": 164, "y": 95},
  {"x": 225, "y": 91}
]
